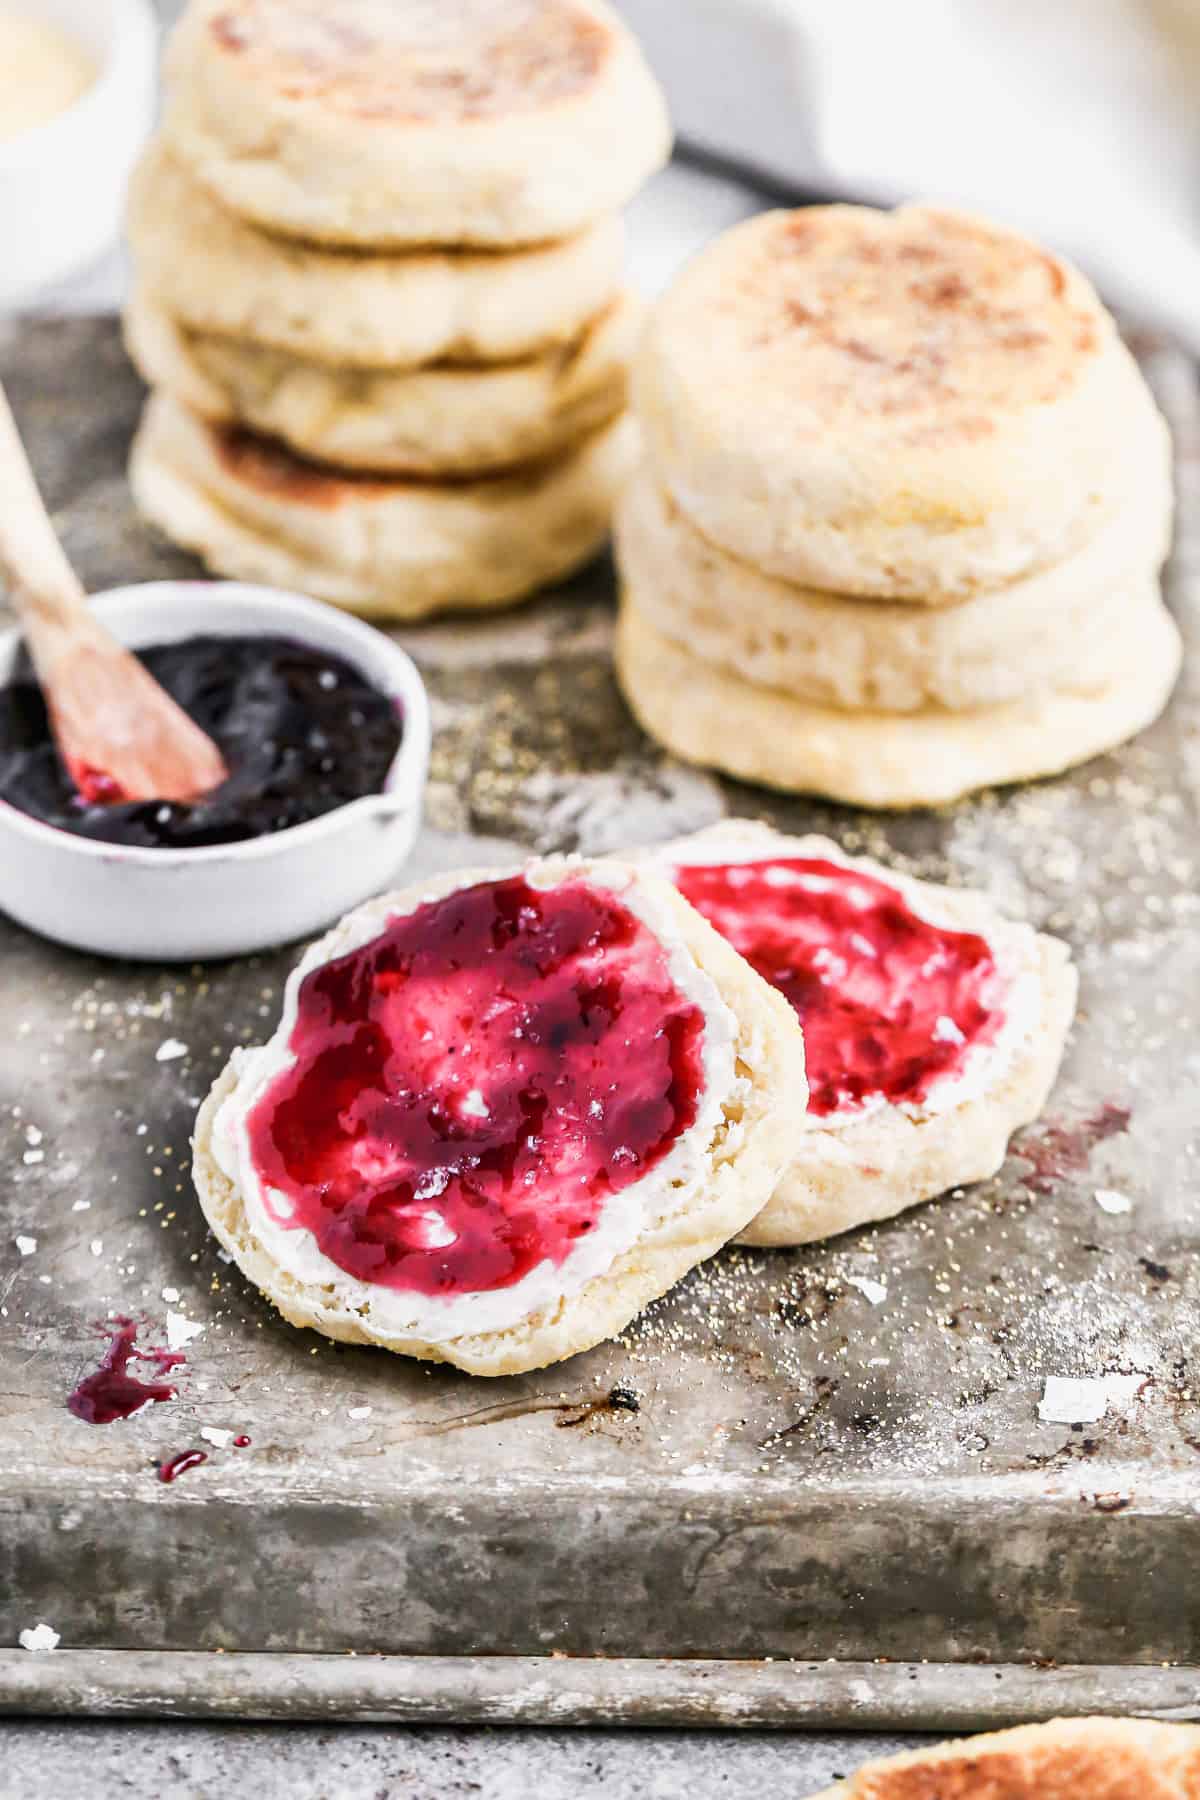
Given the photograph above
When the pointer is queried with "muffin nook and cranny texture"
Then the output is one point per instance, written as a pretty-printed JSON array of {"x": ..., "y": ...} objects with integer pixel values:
[
  {"x": 378, "y": 255},
  {"x": 899, "y": 524}
]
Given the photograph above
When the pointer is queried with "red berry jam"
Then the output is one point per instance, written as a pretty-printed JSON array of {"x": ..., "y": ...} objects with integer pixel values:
[
  {"x": 890, "y": 1004},
  {"x": 178, "y": 1465},
  {"x": 112, "y": 1392},
  {"x": 95, "y": 787},
  {"x": 472, "y": 1085}
]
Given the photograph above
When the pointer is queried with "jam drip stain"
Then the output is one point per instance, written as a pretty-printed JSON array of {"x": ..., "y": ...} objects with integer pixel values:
[
  {"x": 473, "y": 1085},
  {"x": 301, "y": 732},
  {"x": 890, "y": 1003},
  {"x": 112, "y": 1392},
  {"x": 175, "y": 1466},
  {"x": 1056, "y": 1152}
]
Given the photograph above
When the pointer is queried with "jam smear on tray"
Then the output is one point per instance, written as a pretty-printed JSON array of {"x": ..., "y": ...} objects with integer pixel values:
[
  {"x": 1056, "y": 1152},
  {"x": 302, "y": 732},
  {"x": 178, "y": 1465},
  {"x": 890, "y": 1003},
  {"x": 473, "y": 1085},
  {"x": 112, "y": 1393}
]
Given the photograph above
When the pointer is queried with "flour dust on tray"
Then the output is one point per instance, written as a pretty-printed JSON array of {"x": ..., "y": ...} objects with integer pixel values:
[{"x": 501, "y": 1113}]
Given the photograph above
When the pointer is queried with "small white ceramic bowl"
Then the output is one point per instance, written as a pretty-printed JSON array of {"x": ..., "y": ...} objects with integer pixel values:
[
  {"x": 229, "y": 899},
  {"x": 62, "y": 184}
]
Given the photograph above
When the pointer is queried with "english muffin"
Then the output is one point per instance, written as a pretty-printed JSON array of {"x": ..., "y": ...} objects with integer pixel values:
[
  {"x": 448, "y": 419},
  {"x": 413, "y": 122},
  {"x": 1040, "y": 632},
  {"x": 892, "y": 760},
  {"x": 385, "y": 547},
  {"x": 500, "y": 1114},
  {"x": 908, "y": 405},
  {"x": 933, "y": 1027},
  {"x": 216, "y": 272},
  {"x": 1068, "y": 1759}
]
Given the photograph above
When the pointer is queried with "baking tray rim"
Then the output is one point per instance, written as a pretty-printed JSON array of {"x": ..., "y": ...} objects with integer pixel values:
[{"x": 584, "y": 1691}]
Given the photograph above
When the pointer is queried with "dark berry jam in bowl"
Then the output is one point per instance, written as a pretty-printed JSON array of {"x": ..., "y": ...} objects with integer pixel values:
[{"x": 325, "y": 725}]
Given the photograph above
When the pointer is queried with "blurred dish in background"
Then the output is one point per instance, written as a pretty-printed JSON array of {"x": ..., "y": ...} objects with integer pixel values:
[
  {"x": 78, "y": 82},
  {"x": 43, "y": 70},
  {"x": 1179, "y": 20},
  {"x": 1075, "y": 123}
]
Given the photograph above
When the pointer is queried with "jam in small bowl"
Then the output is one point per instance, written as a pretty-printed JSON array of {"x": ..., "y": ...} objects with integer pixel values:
[{"x": 324, "y": 724}]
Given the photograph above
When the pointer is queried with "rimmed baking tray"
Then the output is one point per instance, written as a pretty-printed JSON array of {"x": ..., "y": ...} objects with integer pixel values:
[{"x": 832, "y": 1505}]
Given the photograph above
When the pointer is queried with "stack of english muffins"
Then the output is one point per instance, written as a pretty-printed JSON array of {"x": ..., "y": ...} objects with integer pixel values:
[
  {"x": 378, "y": 253},
  {"x": 904, "y": 504}
]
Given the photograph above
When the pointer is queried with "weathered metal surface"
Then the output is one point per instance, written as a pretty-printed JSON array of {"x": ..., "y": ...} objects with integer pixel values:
[
  {"x": 811, "y": 1474},
  {"x": 610, "y": 1691}
]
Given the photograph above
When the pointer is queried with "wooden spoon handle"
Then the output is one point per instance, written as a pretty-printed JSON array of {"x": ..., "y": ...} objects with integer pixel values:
[{"x": 45, "y": 590}]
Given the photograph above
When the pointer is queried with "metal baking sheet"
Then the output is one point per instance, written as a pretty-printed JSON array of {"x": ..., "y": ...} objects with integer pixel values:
[{"x": 850, "y": 1482}]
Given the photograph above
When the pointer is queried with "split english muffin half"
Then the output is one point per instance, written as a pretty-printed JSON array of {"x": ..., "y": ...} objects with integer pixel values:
[
  {"x": 500, "y": 1114},
  {"x": 933, "y": 1026}
]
